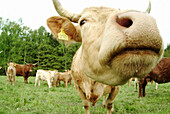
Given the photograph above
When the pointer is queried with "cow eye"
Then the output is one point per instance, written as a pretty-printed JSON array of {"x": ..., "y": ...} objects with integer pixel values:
[{"x": 82, "y": 22}]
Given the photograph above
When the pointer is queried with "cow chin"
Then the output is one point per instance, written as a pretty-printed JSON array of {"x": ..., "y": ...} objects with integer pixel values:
[{"x": 134, "y": 63}]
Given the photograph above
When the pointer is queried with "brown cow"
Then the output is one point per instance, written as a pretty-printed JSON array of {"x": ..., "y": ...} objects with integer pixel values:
[
  {"x": 160, "y": 74},
  {"x": 116, "y": 45},
  {"x": 65, "y": 77},
  {"x": 24, "y": 70},
  {"x": 11, "y": 73}
]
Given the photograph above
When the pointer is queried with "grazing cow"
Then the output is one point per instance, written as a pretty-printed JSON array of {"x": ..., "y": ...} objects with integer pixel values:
[
  {"x": 47, "y": 75},
  {"x": 116, "y": 45},
  {"x": 24, "y": 70},
  {"x": 160, "y": 74},
  {"x": 55, "y": 75},
  {"x": 11, "y": 73},
  {"x": 135, "y": 82},
  {"x": 130, "y": 81},
  {"x": 65, "y": 77}
]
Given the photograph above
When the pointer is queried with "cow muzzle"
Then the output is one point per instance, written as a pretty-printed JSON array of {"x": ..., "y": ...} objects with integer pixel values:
[
  {"x": 131, "y": 44},
  {"x": 130, "y": 32}
]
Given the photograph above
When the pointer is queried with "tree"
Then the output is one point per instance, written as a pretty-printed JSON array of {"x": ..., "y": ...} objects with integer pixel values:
[
  {"x": 21, "y": 44},
  {"x": 167, "y": 51}
]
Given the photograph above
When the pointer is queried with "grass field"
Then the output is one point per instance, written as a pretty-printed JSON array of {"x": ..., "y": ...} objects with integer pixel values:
[{"x": 28, "y": 99}]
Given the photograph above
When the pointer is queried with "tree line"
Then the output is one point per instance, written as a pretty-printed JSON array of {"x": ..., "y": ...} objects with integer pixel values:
[{"x": 20, "y": 44}]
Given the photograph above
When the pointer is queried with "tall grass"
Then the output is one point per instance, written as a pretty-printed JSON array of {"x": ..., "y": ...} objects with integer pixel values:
[{"x": 28, "y": 99}]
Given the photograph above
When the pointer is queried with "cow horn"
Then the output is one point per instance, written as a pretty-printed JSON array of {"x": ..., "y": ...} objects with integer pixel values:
[
  {"x": 62, "y": 12},
  {"x": 149, "y": 8},
  {"x": 26, "y": 63},
  {"x": 35, "y": 63}
]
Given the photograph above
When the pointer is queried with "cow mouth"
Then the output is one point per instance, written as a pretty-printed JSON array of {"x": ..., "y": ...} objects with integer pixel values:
[{"x": 134, "y": 51}]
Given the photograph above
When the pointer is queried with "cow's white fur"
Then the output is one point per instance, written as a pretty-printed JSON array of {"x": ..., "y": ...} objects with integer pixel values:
[{"x": 49, "y": 76}]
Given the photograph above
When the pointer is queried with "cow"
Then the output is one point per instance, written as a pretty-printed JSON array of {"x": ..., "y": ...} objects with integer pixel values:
[
  {"x": 160, "y": 74},
  {"x": 65, "y": 77},
  {"x": 135, "y": 83},
  {"x": 24, "y": 70},
  {"x": 116, "y": 45},
  {"x": 11, "y": 73},
  {"x": 130, "y": 81},
  {"x": 55, "y": 75},
  {"x": 47, "y": 75}
]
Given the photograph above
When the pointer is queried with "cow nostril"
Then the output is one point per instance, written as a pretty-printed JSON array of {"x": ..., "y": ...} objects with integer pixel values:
[{"x": 125, "y": 22}]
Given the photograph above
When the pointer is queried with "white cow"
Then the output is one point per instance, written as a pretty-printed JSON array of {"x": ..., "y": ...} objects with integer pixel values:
[
  {"x": 11, "y": 73},
  {"x": 46, "y": 75}
]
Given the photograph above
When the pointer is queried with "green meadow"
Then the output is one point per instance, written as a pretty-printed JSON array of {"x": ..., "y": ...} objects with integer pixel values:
[{"x": 28, "y": 99}]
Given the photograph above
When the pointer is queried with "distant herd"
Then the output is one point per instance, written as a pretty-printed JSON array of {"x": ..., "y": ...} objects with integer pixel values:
[
  {"x": 160, "y": 74},
  {"x": 53, "y": 77}
]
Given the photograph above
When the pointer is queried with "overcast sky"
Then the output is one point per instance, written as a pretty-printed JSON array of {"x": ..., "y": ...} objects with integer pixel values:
[{"x": 35, "y": 12}]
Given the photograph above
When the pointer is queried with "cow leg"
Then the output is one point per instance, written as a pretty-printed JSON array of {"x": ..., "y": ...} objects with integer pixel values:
[
  {"x": 54, "y": 83},
  {"x": 66, "y": 84},
  {"x": 70, "y": 82},
  {"x": 59, "y": 83},
  {"x": 135, "y": 84},
  {"x": 140, "y": 87},
  {"x": 26, "y": 80},
  {"x": 156, "y": 85},
  {"x": 129, "y": 82},
  {"x": 110, "y": 99},
  {"x": 39, "y": 82},
  {"x": 36, "y": 82},
  {"x": 49, "y": 83},
  {"x": 13, "y": 81},
  {"x": 144, "y": 83},
  {"x": 143, "y": 91},
  {"x": 104, "y": 101},
  {"x": 82, "y": 95}
]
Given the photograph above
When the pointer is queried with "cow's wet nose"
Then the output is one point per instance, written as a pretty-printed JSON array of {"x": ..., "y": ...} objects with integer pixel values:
[{"x": 124, "y": 21}]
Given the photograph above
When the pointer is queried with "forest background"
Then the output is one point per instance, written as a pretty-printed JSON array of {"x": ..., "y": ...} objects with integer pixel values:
[{"x": 20, "y": 44}]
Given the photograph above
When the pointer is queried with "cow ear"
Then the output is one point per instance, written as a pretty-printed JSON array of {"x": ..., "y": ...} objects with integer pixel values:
[
  {"x": 8, "y": 64},
  {"x": 63, "y": 29}
]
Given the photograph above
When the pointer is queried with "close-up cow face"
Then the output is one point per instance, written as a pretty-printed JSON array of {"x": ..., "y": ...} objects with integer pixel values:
[{"x": 116, "y": 45}]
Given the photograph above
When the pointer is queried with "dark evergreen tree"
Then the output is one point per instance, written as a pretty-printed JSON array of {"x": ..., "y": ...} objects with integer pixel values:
[{"x": 20, "y": 44}]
